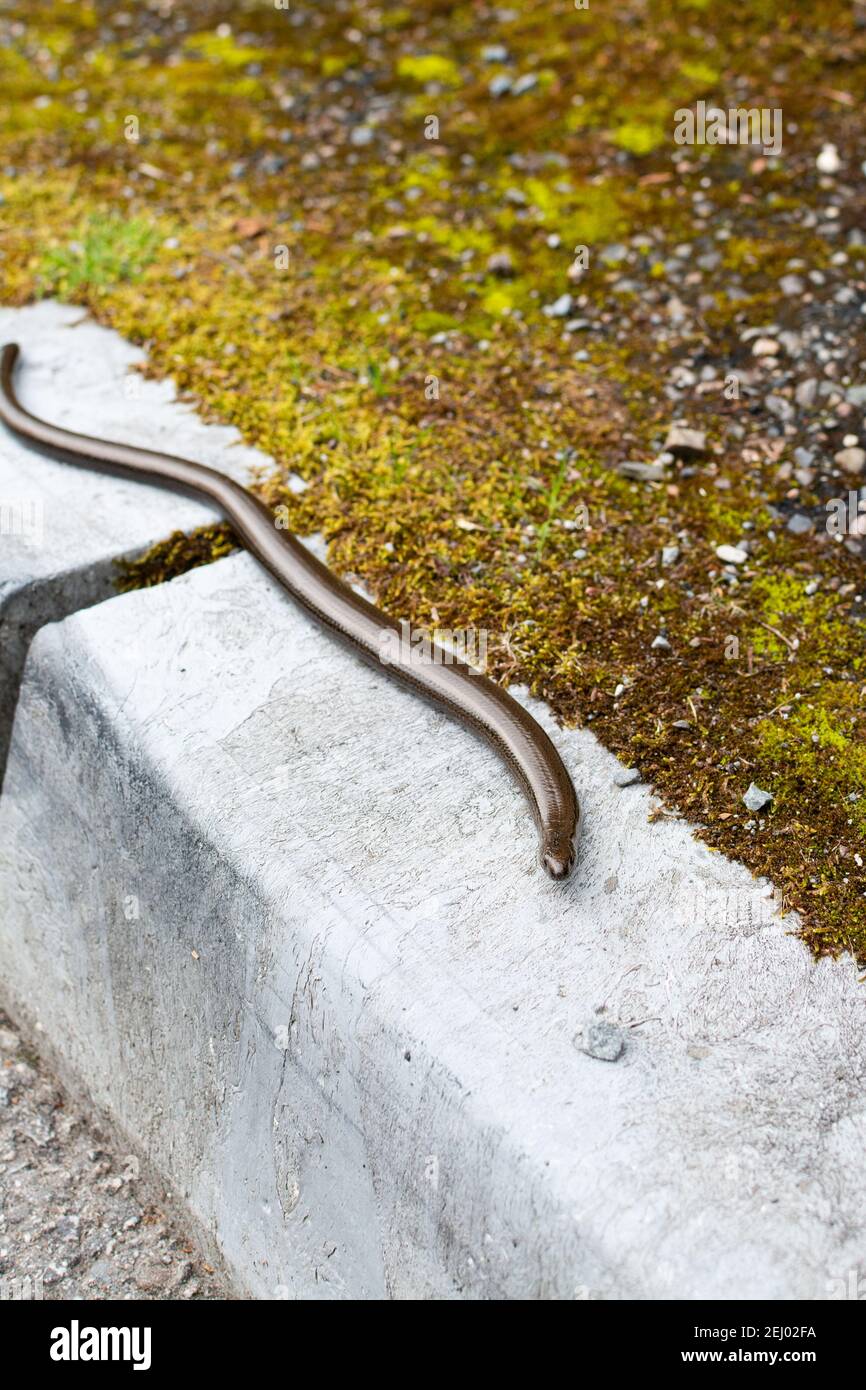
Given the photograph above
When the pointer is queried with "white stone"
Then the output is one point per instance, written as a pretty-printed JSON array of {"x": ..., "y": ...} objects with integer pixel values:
[
  {"x": 828, "y": 161},
  {"x": 731, "y": 554},
  {"x": 852, "y": 460},
  {"x": 765, "y": 347}
]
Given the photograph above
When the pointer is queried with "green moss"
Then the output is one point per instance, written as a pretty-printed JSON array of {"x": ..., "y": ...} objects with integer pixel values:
[
  {"x": 106, "y": 250},
  {"x": 429, "y": 67},
  {"x": 177, "y": 555},
  {"x": 701, "y": 73},
  {"x": 639, "y": 137},
  {"x": 224, "y": 51}
]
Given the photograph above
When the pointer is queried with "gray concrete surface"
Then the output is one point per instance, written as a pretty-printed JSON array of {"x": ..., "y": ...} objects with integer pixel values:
[
  {"x": 61, "y": 528},
  {"x": 287, "y": 923}
]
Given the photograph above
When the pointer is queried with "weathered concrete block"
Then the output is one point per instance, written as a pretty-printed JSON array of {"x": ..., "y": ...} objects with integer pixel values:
[
  {"x": 61, "y": 527},
  {"x": 286, "y": 925}
]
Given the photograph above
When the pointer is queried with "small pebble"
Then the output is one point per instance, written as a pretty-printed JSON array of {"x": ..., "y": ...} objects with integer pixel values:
[
  {"x": 601, "y": 1040},
  {"x": 731, "y": 554},
  {"x": 525, "y": 83},
  {"x": 500, "y": 263},
  {"x": 778, "y": 406},
  {"x": 792, "y": 285},
  {"x": 755, "y": 799},
  {"x": 627, "y": 777},
  {"x": 642, "y": 472},
  {"x": 851, "y": 460},
  {"x": 828, "y": 161},
  {"x": 681, "y": 442},
  {"x": 560, "y": 308}
]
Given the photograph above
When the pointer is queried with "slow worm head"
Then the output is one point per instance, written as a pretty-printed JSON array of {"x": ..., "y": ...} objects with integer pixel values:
[{"x": 439, "y": 676}]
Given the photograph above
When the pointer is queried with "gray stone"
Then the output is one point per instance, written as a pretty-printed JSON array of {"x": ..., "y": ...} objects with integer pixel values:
[
  {"x": 500, "y": 263},
  {"x": 755, "y": 799},
  {"x": 791, "y": 342},
  {"x": 526, "y": 83},
  {"x": 601, "y": 1040},
  {"x": 627, "y": 777},
  {"x": 800, "y": 524},
  {"x": 780, "y": 407},
  {"x": 792, "y": 285},
  {"x": 641, "y": 472},
  {"x": 560, "y": 308},
  {"x": 851, "y": 460},
  {"x": 684, "y": 443}
]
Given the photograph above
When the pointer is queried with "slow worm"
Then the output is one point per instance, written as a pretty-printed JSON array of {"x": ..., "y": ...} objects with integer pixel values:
[{"x": 428, "y": 670}]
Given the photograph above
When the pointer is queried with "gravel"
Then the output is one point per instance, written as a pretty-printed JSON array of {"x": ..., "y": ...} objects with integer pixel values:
[{"x": 74, "y": 1216}]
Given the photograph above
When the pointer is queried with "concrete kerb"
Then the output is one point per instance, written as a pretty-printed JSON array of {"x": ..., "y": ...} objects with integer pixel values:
[{"x": 285, "y": 927}]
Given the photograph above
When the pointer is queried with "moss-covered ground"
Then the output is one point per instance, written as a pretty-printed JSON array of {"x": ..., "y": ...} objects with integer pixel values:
[{"x": 328, "y": 229}]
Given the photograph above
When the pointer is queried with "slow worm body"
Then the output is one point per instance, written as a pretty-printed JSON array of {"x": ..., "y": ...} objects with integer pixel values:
[{"x": 429, "y": 671}]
